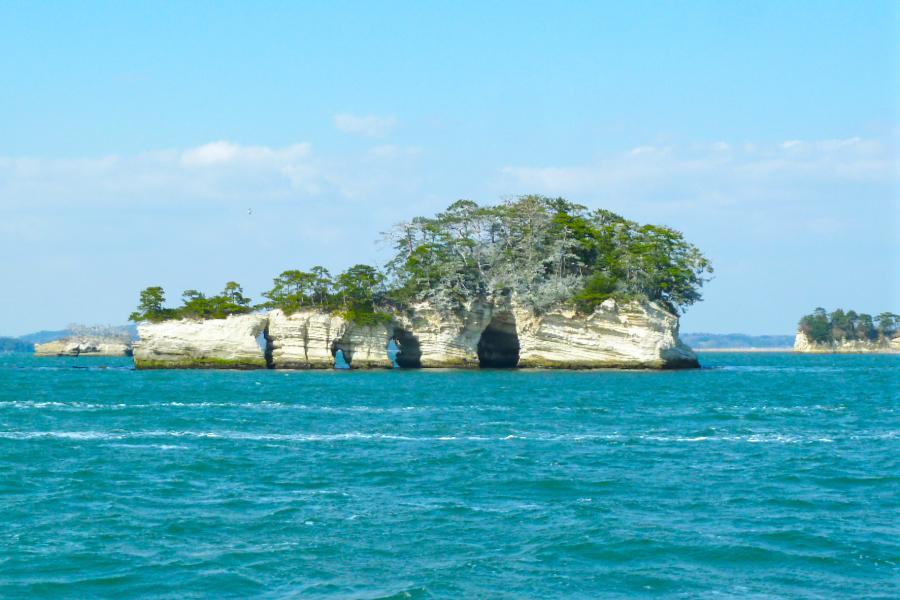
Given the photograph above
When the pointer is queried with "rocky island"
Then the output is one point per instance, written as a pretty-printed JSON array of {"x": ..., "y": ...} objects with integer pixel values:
[
  {"x": 535, "y": 282},
  {"x": 848, "y": 332},
  {"x": 88, "y": 341}
]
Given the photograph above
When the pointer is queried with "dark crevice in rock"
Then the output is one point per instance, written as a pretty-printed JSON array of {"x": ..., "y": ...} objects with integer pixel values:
[
  {"x": 409, "y": 355},
  {"x": 498, "y": 347},
  {"x": 269, "y": 348}
]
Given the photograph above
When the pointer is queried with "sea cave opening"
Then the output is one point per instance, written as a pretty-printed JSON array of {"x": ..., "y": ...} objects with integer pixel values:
[
  {"x": 498, "y": 347},
  {"x": 409, "y": 353}
]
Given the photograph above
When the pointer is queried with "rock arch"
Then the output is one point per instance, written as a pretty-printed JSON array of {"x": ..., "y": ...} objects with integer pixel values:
[
  {"x": 498, "y": 346},
  {"x": 409, "y": 355}
]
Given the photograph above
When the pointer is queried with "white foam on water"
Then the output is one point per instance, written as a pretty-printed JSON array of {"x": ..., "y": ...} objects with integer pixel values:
[{"x": 90, "y": 435}]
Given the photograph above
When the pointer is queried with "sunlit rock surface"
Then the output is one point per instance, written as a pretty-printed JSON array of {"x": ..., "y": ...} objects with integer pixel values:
[
  {"x": 87, "y": 346},
  {"x": 633, "y": 335},
  {"x": 303, "y": 340},
  {"x": 802, "y": 343},
  {"x": 505, "y": 334},
  {"x": 229, "y": 343},
  {"x": 495, "y": 333},
  {"x": 309, "y": 339},
  {"x": 365, "y": 346},
  {"x": 430, "y": 337}
]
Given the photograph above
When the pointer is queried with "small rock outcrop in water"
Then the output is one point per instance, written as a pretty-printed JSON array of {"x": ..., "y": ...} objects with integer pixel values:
[
  {"x": 803, "y": 344},
  {"x": 499, "y": 334},
  {"x": 229, "y": 343},
  {"x": 84, "y": 346}
]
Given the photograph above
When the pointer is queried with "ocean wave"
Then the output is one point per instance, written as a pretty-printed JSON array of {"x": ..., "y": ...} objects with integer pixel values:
[
  {"x": 752, "y": 438},
  {"x": 259, "y": 406}
]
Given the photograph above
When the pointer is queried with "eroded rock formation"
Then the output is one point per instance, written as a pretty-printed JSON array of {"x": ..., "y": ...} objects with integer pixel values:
[
  {"x": 214, "y": 343},
  {"x": 498, "y": 334},
  {"x": 440, "y": 339},
  {"x": 310, "y": 339},
  {"x": 505, "y": 334},
  {"x": 634, "y": 335}
]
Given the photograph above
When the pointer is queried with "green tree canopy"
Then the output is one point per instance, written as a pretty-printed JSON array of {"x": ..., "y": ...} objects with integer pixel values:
[
  {"x": 545, "y": 250},
  {"x": 151, "y": 306},
  {"x": 195, "y": 305},
  {"x": 824, "y": 327}
]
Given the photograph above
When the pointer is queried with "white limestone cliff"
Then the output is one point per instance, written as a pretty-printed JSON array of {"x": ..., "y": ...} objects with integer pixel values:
[
  {"x": 84, "y": 346},
  {"x": 229, "y": 343},
  {"x": 365, "y": 346},
  {"x": 505, "y": 334},
  {"x": 433, "y": 338},
  {"x": 489, "y": 333},
  {"x": 309, "y": 339},
  {"x": 303, "y": 340},
  {"x": 632, "y": 335},
  {"x": 804, "y": 345}
]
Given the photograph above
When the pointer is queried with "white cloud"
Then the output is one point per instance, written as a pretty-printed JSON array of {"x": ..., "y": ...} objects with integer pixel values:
[
  {"x": 221, "y": 152},
  {"x": 368, "y": 125}
]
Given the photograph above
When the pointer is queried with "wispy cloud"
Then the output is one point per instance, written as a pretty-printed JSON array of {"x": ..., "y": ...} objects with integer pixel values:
[
  {"x": 364, "y": 125},
  {"x": 219, "y": 170},
  {"x": 719, "y": 164},
  {"x": 222, "y": 152}
]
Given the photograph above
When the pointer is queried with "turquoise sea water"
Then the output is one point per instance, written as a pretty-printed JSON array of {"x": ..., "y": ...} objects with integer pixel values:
[{"x": 762, "y": 476}]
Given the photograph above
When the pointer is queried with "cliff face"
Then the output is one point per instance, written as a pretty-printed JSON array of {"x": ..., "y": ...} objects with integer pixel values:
[
  {"x": 215, "y": 343},
  {"x": 310, "y": 339},
  {"x": 428, "y": 337},
  {"x": 807, "y": 346},
  {"x": 633, "y": 335},
  {"x": 498, "y": 333},
  {"x": 505, "y": 334},
  {"x": 365, "y": 346},
  {"x": 84, "y": 347},
  {"x": 303, "y": 340}
]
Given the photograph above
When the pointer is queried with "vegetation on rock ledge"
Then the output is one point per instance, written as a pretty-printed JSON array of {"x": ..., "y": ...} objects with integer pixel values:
[
  {"x": 195, "y": 305},
  {"x": 825, "y": 328},
  {"x": 545, "y": 251}
]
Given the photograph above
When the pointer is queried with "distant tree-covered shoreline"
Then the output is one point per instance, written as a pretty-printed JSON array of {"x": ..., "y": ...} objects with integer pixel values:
[
  {"x": 546, "y": 251},
  {"x": 9, "y": 344},
  {"x": 826, "y": 328}
]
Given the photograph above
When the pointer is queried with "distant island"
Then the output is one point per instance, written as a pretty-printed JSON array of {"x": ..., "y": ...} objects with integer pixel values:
[
  {"x": 84, "y": 340},
  {"x": 531, "y": 282},
  {"x": 848, "y": 332},
  {"x": 737, "y": 341}
]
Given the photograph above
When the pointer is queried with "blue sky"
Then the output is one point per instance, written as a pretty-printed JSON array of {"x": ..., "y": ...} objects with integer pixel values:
[{"x": 134, "y": 136}]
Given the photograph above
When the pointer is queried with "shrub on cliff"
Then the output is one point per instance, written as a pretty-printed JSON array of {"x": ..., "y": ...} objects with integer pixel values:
[
  {"x": 295, "y": 290},
  {"x": 356, "y": 294},
  {"x": 195, "y": 305},
  {"x": 150, "y": 307}
]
